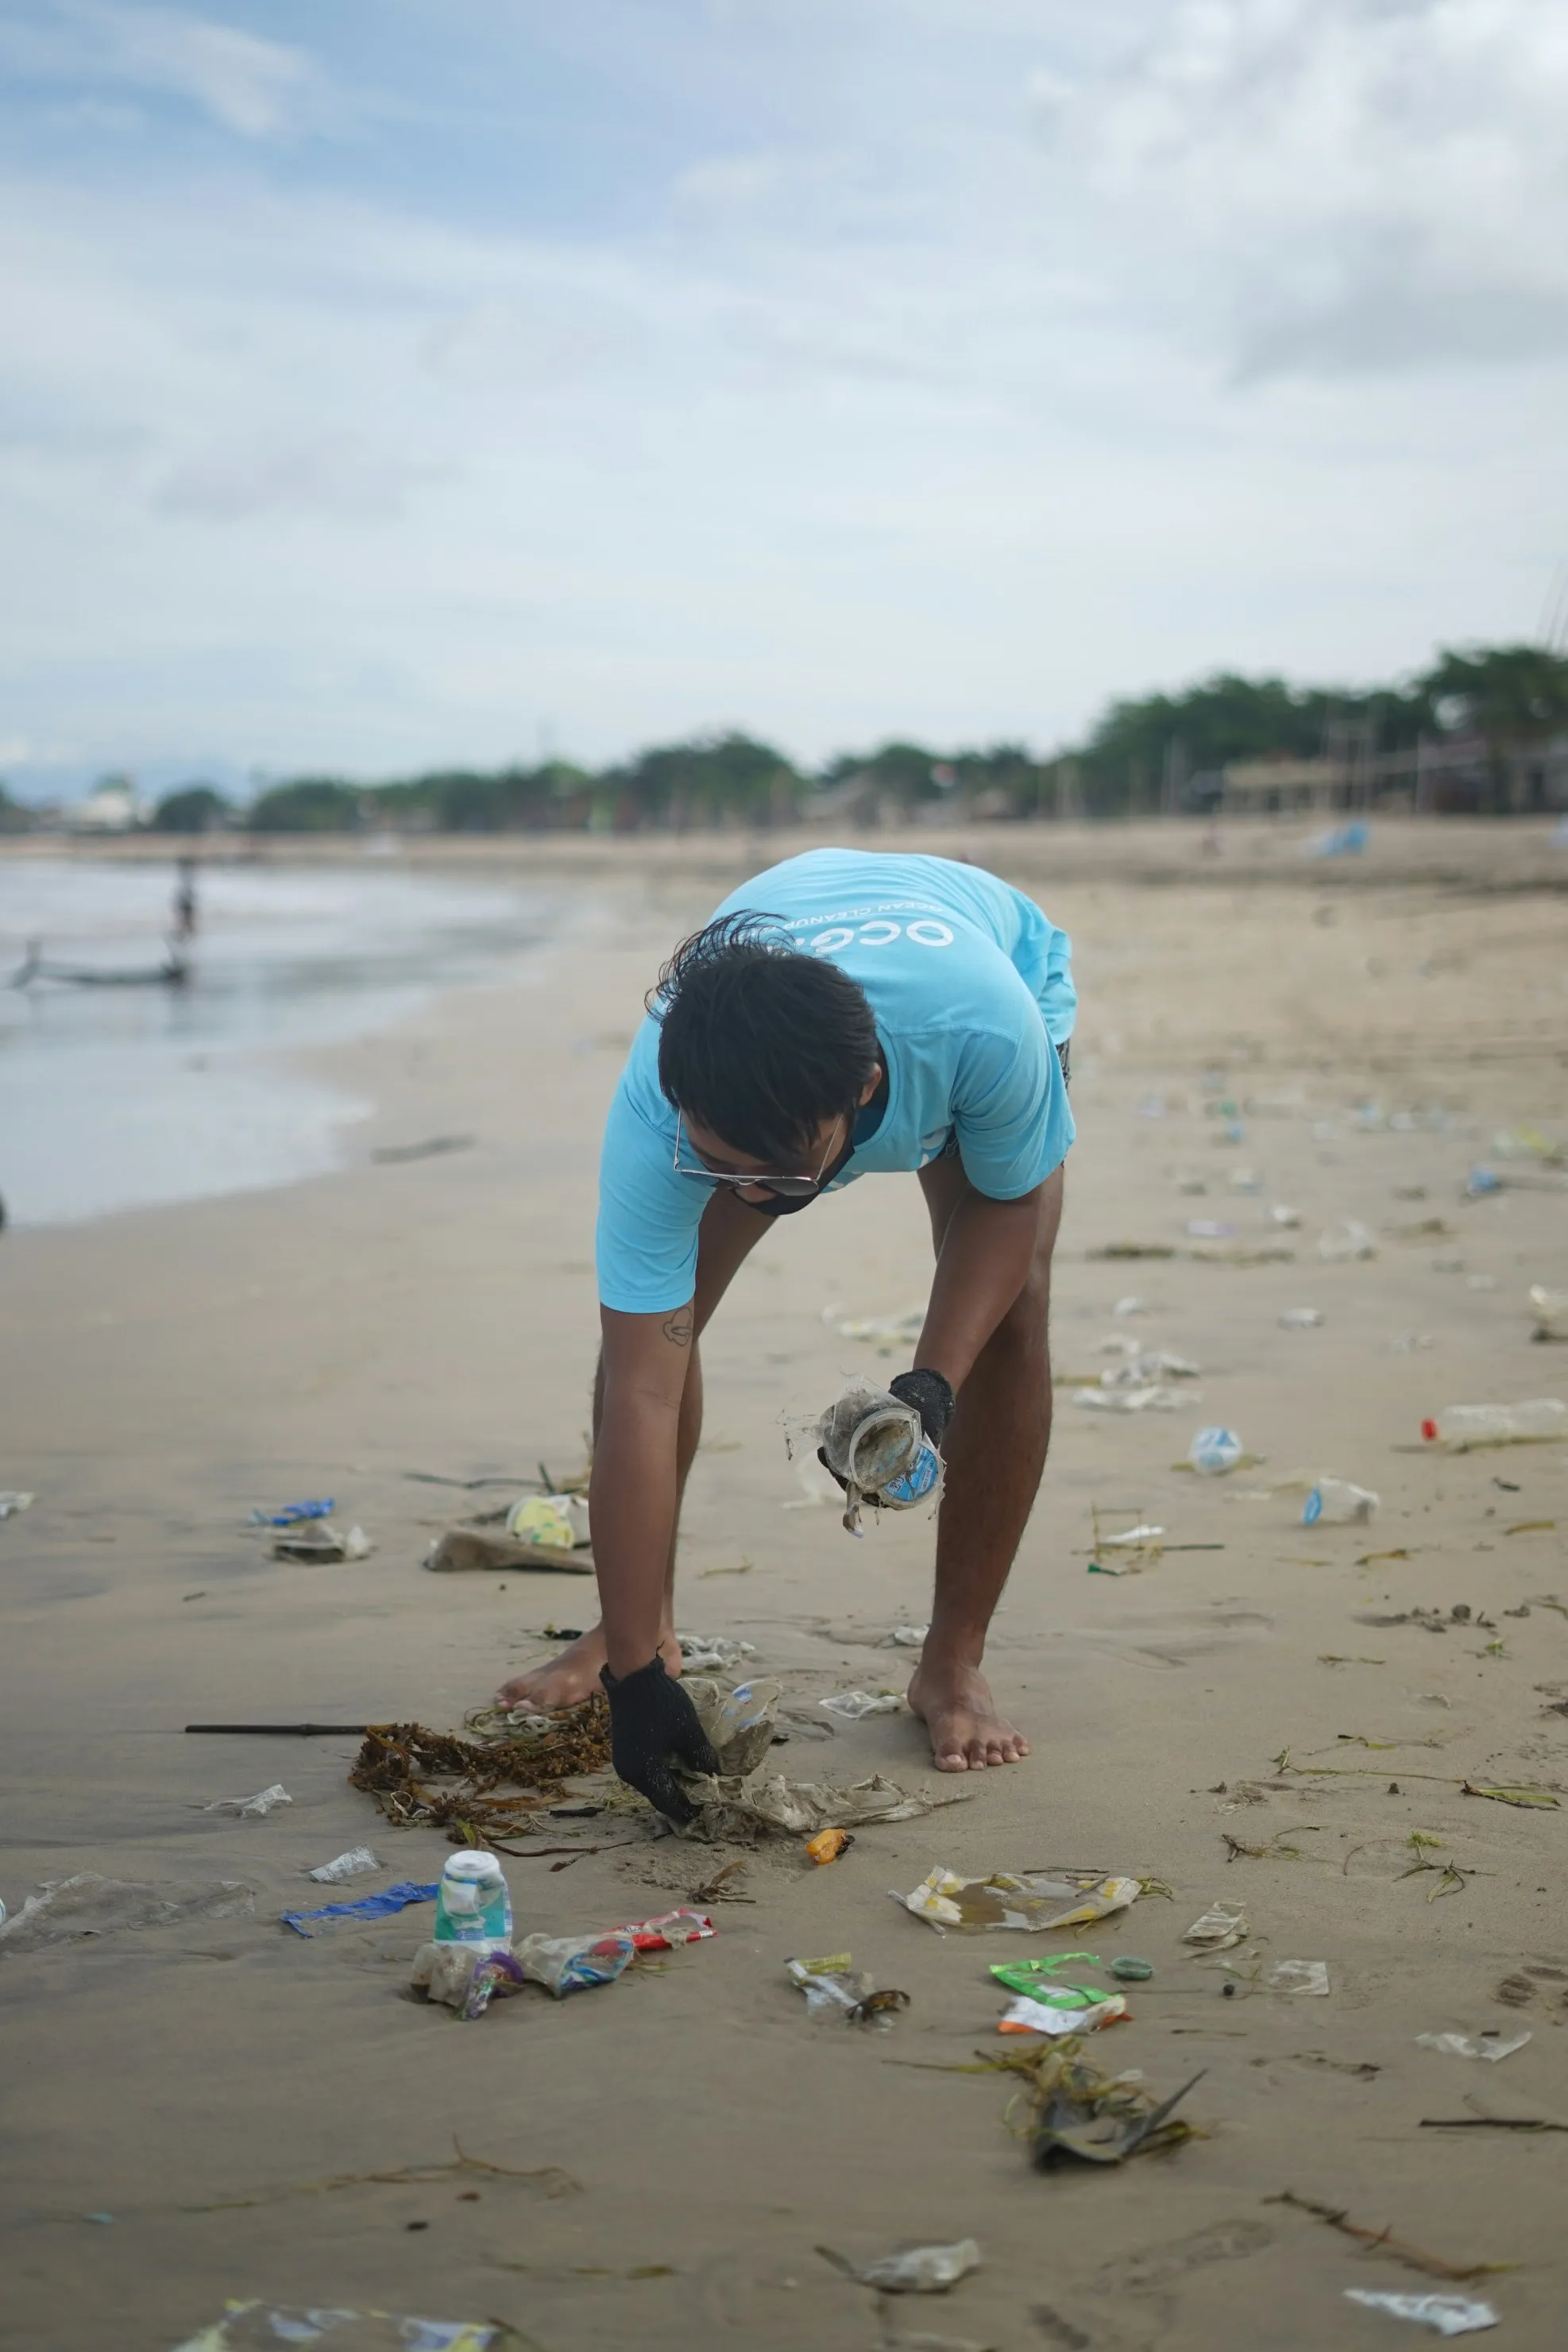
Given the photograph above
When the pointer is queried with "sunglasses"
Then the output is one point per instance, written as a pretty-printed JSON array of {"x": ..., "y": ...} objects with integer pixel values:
[{"x": 789, "y": 1187}]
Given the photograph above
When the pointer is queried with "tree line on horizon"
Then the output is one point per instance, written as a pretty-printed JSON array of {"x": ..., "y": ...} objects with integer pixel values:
[{"x": 1158, "y": 751}]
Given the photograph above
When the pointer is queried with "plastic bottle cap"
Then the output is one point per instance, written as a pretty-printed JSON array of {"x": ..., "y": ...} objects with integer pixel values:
[{"x": 471, "y": 1867}]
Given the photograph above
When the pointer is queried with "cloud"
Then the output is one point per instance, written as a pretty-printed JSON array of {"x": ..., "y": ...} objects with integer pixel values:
[
  {"x": 943, "y": 368},
  {"x": 256, "y": 88},
  {"x": 1327, "y": 185},
  {"x": 330, "y": 477}
]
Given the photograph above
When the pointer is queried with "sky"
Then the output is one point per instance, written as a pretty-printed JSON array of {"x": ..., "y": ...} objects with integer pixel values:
[{"x": 389, "y": 383}]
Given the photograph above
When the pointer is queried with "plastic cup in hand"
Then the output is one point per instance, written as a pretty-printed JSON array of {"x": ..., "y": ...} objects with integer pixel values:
[{"x": 916, "y": 1482}]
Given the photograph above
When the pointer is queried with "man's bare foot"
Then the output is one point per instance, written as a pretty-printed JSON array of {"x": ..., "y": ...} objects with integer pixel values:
[
  {"x": 572, "y": 1674},
  {"x": 955, "y": 1702}
]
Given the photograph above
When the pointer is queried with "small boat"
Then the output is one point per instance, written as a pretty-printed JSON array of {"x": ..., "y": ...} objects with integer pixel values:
[{"x": 174, "y": 972}]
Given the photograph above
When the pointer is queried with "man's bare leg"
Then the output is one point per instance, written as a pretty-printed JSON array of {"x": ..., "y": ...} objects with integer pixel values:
[
  {"x": 995, "y": 1453},
  {"x": 728, "y": 1231}
]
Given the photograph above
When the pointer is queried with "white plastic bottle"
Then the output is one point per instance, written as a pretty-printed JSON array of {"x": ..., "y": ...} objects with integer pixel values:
[
  {"x": 1334, "y": 1502},
  {"x": 1458, "y": 1427},
  {"x": 474, "y": 1906}
]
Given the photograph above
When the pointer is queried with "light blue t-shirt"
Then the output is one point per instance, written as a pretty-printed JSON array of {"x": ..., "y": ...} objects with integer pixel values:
[{"x": 972, "y": 992}]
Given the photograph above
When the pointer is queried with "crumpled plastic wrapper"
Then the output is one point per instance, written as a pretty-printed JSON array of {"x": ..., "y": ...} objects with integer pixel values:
[
  {"x": 467, "y": 1976},
  {"x": 923, "y": 2269},
  {"x": 1026, "y": 2015},
  {"x": 357, "y": 1863},
  {"x": 321, "y": 1541},
  {"x": 1446, "y": 2314},
  {"x": 1222, "y": 1926},
  {"x": 257, "y": 2326},
  {"x": 250, "y": 1809},
  {"x": 92, "y": 1905},
  {"x": 743, "y": 1804},
  {"x": 1032, "y": 1903},
  {"x": 708, "y": 1654},
  {"x": 461, "y": 1548}
]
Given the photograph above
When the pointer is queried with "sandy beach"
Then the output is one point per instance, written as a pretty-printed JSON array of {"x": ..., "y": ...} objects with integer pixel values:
[{"x": 197, "y": 2111}]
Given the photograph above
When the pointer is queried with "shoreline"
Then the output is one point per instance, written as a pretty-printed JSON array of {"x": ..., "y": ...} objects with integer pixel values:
[{"x": 1483, "y": 856}]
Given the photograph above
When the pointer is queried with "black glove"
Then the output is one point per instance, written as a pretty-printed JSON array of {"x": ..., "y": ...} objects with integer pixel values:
[
  {"x": 931, "y": 1393},
  {"x": 652, "y": 1725}
]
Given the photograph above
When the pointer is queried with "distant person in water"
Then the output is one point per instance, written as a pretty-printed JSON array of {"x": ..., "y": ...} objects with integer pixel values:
[
  {"x": 843, "y": 1014},
  {"x": 186, "y": 914}
]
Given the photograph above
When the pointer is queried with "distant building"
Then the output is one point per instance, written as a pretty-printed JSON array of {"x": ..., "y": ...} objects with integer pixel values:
[
  {"x": 114, "y": 806},
  {"x": 1445, "y": 775}
]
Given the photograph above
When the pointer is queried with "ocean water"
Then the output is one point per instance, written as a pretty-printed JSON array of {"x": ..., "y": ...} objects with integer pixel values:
[{"x": 117, "y": 1098}]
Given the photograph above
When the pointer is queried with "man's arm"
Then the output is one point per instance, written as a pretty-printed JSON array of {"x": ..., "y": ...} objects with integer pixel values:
[
  {"x": 632, "y": 1495},
  {"x": 987, "y": 1253}
]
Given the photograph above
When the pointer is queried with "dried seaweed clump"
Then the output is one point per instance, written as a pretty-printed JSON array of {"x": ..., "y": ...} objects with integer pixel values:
[
  {"x": 1076, "y": 2113},
  {"x": 398, "y": 1762}
]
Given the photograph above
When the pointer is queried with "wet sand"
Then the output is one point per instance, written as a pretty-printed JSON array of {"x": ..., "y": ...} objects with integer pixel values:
[{"x": 166, "y": 1370}]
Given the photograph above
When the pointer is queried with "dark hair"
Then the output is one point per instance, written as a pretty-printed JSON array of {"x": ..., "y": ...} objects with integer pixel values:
[{"x": 758, "y": 1041}]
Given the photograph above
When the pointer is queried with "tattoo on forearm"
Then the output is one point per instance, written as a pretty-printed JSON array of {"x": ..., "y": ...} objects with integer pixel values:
[{"x": 677, "y": 1328}]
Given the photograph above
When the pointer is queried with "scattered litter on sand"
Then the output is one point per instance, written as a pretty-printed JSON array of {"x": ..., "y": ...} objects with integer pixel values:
[
  {"x": 1221, "y": 1926},
  {"x": 357, "y": 1863},
  {"x": 1040, "y": 1979},
  {"x": 903, "y": 1326},
  {"x": 550, "y": 1522},
  {"x": 1549, "y": 1311},
  {"x": 1301, "y": 1318},
  {"x": 322, "y": 1541},
  {"x": 1349, "y": 1239},
  {"x": 1141, "y": 1365},
  {"x": 741, "y": 1803},
  {"x": 369, "y": 1907},
  {"x": 734, "y": 1809},
  {"x": 248, "y": 1809},
  {"x": 711, "y": 1654},
  {"x": 1490, "y": 2044},
  {"x": 1026, "y": 2015},
  {"x": 1461, "y": 1428},
  {"x": 1447, "y": 2314},
  {"x": 835, "y": 1987},
  {"x": 468, "y": 1977},
  {"x": 1299, "y": 1976},
  {"x": 11, "y": 1502},
  {"x": 1079, "y": 2115},
  {"x": 1336, "y": 1503},
  {"x": 91, "y": 1905},
  {"x": 827, "y": 1846},
  {"x": 1151, "y": 1397},
  {"x": 1031, "y": 1903},
  {"x": 1214, "y": 1453},
  {"x": 923, "y": 2269},
  {"x": 260, "y": 2326},
  {"x": 463, "y": 1549},
  {"x": 1130, "y": 1304},
  {"x": 851, "y": 1705},
  {"x": 292, "y": 1515}
]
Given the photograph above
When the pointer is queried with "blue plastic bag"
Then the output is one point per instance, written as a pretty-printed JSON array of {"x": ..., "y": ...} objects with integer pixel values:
[{"x": 370, "y": 1907}]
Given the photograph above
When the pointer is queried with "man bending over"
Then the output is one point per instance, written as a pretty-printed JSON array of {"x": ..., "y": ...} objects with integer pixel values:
[{"x": 843, "y": 1015}]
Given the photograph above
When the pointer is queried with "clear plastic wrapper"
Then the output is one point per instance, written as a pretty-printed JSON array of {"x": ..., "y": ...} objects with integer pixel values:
[{"x": 1032, "y": 1903}]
